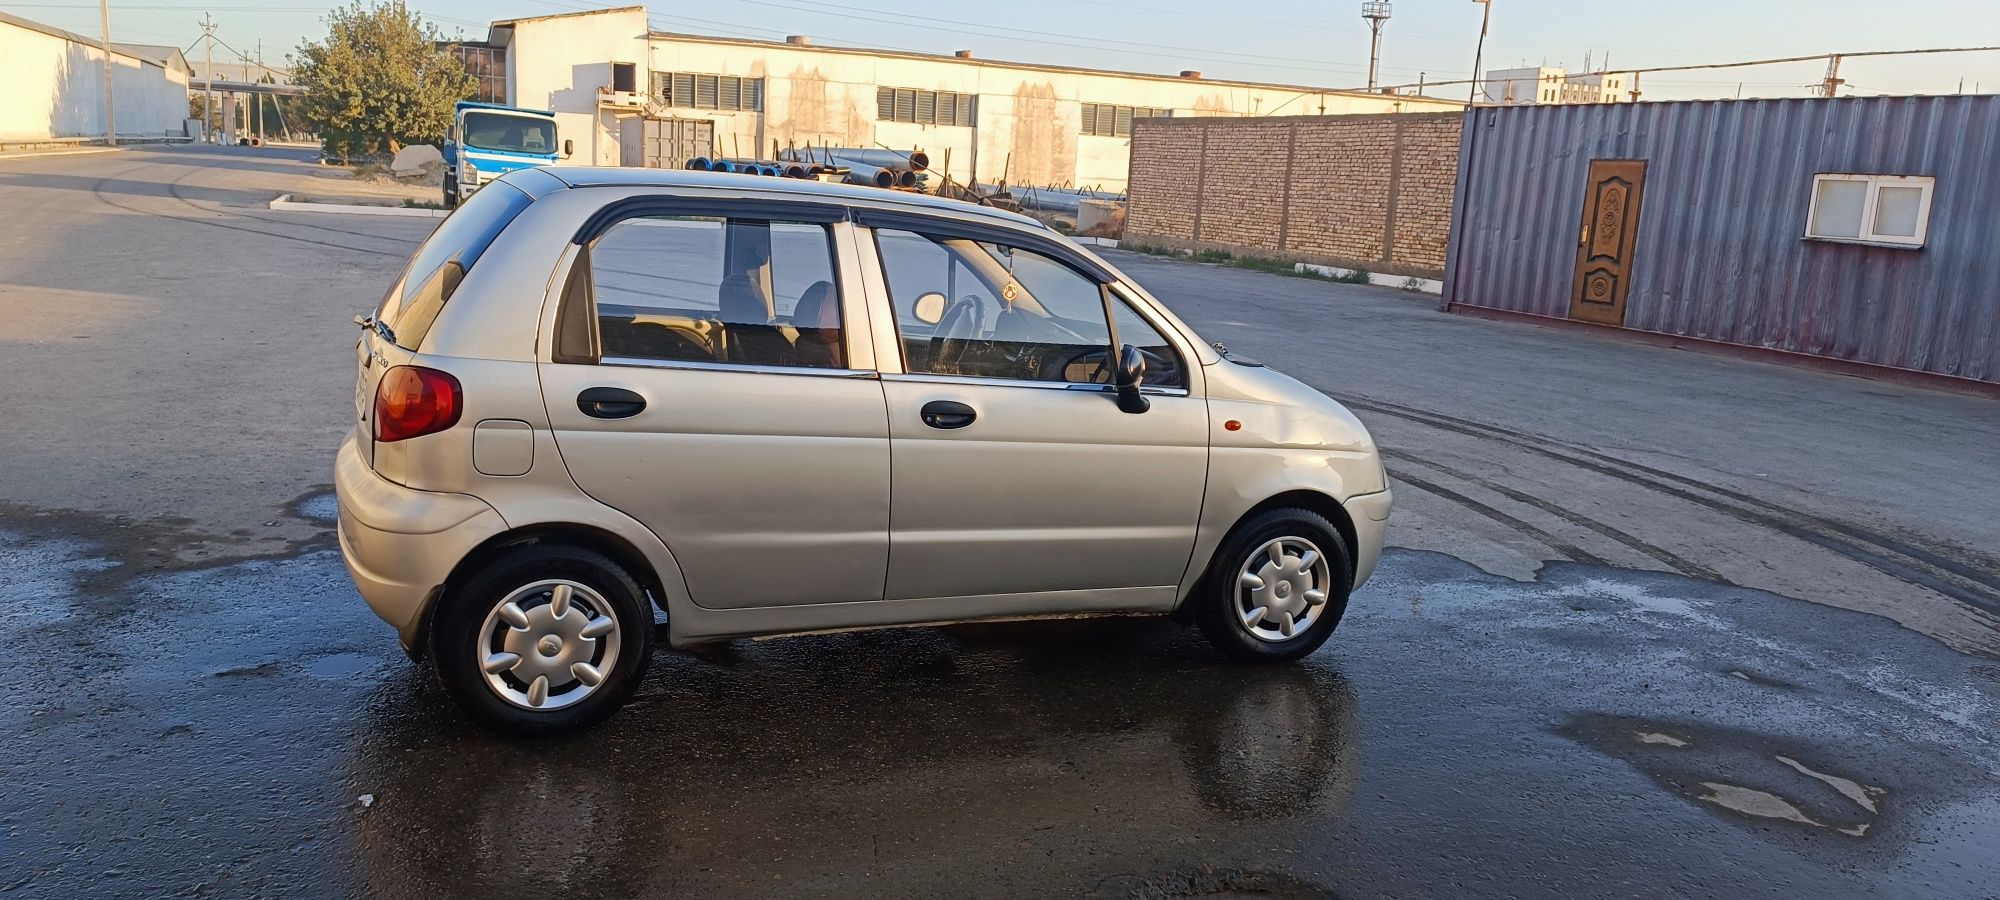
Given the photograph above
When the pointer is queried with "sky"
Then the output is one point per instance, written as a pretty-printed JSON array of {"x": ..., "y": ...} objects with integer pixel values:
[{"x": 1321, "y": 44}]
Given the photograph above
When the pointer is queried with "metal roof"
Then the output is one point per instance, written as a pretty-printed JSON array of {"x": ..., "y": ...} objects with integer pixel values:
[
  {"x": 125, "y": 50},
  {"x": 605, "y": 176}
]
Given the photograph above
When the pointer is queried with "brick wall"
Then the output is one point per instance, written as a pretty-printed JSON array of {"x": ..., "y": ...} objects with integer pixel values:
[{"x": 1368, "y": 191}]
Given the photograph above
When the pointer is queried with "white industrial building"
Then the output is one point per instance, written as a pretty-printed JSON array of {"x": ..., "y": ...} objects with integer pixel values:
[
  {"x": 55, "y": 86},
  {"x": 1554, "y": 86},
  {"x": 628, "y": 95}
]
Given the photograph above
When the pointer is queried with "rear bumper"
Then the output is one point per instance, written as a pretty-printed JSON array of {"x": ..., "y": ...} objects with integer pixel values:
[
  {"x": 400, "y": 544},
  {"x": 1370, "y": 515}
]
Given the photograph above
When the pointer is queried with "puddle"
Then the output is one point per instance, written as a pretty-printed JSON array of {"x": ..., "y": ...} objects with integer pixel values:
[
  {"x": 322, "y": 507},
  {"x": 1761, "y": 784},
  {"x": 341, "y": 665}
]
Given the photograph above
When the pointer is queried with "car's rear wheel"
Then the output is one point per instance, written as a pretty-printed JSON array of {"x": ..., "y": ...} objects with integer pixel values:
[
  {"x": 551, "y": 638},
  {"x": 1276, "y": 588}
]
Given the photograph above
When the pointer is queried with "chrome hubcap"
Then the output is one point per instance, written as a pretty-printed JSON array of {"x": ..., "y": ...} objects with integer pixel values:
[
  {"x": 1281, "y": 589},
  {"x": 548, "y": 644}
]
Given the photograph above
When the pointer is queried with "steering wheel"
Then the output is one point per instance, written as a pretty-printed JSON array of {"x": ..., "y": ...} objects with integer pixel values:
[{"x": 966, "y": 314}]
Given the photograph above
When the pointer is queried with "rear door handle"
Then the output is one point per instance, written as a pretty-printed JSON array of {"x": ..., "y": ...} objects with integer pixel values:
[
  {"x": 948, "y": 414},
  {"x": 610, "y": 403}
]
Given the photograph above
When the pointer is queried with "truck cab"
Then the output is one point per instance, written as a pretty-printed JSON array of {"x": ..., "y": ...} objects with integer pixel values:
[{"x": 487, "y": 140}]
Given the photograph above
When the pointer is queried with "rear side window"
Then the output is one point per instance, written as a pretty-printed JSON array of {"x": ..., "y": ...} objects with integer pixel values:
[
  {"x": 713, "y": 289},
  {"x": 444, "y": 259}
]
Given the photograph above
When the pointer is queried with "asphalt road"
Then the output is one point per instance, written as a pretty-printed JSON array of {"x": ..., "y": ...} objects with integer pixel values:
[{"x": 1654, "y": 624}]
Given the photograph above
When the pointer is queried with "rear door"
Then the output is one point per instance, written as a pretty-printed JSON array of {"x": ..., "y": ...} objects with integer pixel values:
[
  {"x": 705, "y": 381},
  {"x": 1015, "y": 471}
]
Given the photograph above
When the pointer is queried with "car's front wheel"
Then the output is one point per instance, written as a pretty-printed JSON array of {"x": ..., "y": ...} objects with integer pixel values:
[
  {"x": 1277, "y": 587},
  {"x": 546, "y": 639}
]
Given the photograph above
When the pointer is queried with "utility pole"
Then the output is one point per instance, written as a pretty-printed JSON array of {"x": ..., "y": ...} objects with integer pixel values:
[
  {"x": 1479, "y": 54},
  {"x": 1831, "y": 88},
  {"x": 1377, "y": 14},
  {"x": 110, "y": 114},
  {"x": 208, "y": 80},
  {"x": 1635, "y": 86}
]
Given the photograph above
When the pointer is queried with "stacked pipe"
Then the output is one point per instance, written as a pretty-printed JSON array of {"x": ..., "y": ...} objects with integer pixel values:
[
  {"x": 1056, "y": 200},
  {"x": 768, "y": 167},
  {"x": 881, "y": 168}
]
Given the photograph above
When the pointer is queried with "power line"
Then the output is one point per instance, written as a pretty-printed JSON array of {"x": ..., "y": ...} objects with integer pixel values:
[
  {"x": 1818, "y": 57},
  {"x": 888, "y": 17}
]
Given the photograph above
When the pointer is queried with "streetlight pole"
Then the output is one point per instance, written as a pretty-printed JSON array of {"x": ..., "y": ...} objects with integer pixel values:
[
  {"x": 208, "y": 82},
  {"x": 1377, "y": 14},
  {"x": 110, "y": 114},
  {"x": 1479, "y": 54}
]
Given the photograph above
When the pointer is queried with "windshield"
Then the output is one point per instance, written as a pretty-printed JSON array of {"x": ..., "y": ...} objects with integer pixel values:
[{"x": 510, "y": 133}]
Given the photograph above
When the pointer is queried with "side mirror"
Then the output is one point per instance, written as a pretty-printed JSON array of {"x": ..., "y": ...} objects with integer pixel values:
[
  {"x": 1130, "y": 374},
  {"x": 930, "y": 308},
  {"x": 569, "y": 148}
]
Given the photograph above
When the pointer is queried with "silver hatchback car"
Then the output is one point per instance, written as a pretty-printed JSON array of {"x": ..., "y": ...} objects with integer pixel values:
[{"x": 768, "y": 406}]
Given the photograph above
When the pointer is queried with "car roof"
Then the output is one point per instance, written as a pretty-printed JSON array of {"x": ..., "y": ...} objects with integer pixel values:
[
  {"x": 850, "y": 194},
  {"x": 501, "y": 107}
]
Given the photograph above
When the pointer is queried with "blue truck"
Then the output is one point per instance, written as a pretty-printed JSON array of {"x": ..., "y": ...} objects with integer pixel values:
[{"x": 487, "y": 140}]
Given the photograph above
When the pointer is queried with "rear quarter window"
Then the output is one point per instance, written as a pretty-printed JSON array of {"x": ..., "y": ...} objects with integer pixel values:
[{"x": 444, "y": 259}]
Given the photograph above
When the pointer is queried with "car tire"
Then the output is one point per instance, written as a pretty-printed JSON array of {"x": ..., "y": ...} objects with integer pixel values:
[
  {"x": 474, "y": 637},
  {"x": 1289, "y": 585}
]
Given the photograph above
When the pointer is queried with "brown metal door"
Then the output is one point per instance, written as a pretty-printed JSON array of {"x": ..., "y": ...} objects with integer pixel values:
[
  {"x": 1604, "y": 247},
  {"x": 670, "y": 143}
]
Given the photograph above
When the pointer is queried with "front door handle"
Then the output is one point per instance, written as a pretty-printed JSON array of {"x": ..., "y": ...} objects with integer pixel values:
[
  {"x": 948, "y": 414},
  {"x": 610, "y": 403}
]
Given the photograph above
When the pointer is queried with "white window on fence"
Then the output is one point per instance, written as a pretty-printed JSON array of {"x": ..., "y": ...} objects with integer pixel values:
[
  {"x": 923, "y": 107},
  {"x": 1871, "y": 209},
  {"x": 1109, "y": 120},
  {"x": 720, "y": 92}
]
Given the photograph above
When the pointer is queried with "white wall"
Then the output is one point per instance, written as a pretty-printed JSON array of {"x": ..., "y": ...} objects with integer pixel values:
[
  {"x": 55, "y": 88},
  {"x": 1028, "y": 118},
  {"x": 559, "y": 63}
]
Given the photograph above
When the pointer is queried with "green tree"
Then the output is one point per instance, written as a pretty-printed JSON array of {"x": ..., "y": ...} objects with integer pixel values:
[{"x": 382, "y": 78}]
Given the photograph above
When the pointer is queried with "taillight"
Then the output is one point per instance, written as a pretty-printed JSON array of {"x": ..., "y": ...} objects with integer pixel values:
[{"x": 413, "y": 401}]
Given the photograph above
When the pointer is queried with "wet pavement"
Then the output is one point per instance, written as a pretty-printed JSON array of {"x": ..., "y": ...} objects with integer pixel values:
[
  {"x": 249, "y": 729},
  {"x": 1596, "y": 662}
]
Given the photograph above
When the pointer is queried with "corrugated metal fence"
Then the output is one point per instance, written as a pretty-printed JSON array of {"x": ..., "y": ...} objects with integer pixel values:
[{"x": 1720, "y": 253}]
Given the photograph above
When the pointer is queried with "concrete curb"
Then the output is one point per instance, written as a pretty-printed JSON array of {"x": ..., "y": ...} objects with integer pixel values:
[
  {"x": 1400, "y": 282},
  {"x": 285, "y": 202},
  {"x": 33, "y": 154},
  {"x": 1110, "y": 243}
]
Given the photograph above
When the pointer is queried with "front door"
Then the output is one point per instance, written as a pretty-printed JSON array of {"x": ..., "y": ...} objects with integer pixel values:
[
  {"x": 715, "y": 402},
  {"x": 1604, "y": 246},
  {"x": 1015, "y": 472}
]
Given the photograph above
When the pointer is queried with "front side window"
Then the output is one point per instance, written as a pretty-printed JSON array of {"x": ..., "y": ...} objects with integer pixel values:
[
  {"x": 1872, "y": 209},
  {"x": 509, "y": 133},
  {"x": 987, "y": 310},
  {"x": 717, "y": 290}
]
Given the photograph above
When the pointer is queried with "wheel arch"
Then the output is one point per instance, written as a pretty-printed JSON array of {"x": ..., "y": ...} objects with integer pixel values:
[
  {"x": 585, "y": 537},
  {"x": 1310, "y": 500}
]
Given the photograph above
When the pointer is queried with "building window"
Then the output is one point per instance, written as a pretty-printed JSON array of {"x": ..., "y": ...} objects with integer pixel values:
[
  {"x": 488, "y": 68},
  {"x": 1892, "y": 210},
  {"x": 923, "y": 107},
  {"x": 1116, "y": 121},
  {"x": 723, "y": 92}
]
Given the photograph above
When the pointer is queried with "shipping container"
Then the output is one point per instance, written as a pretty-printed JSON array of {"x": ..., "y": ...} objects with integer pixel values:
[{"x": 1864, "y": 230}]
